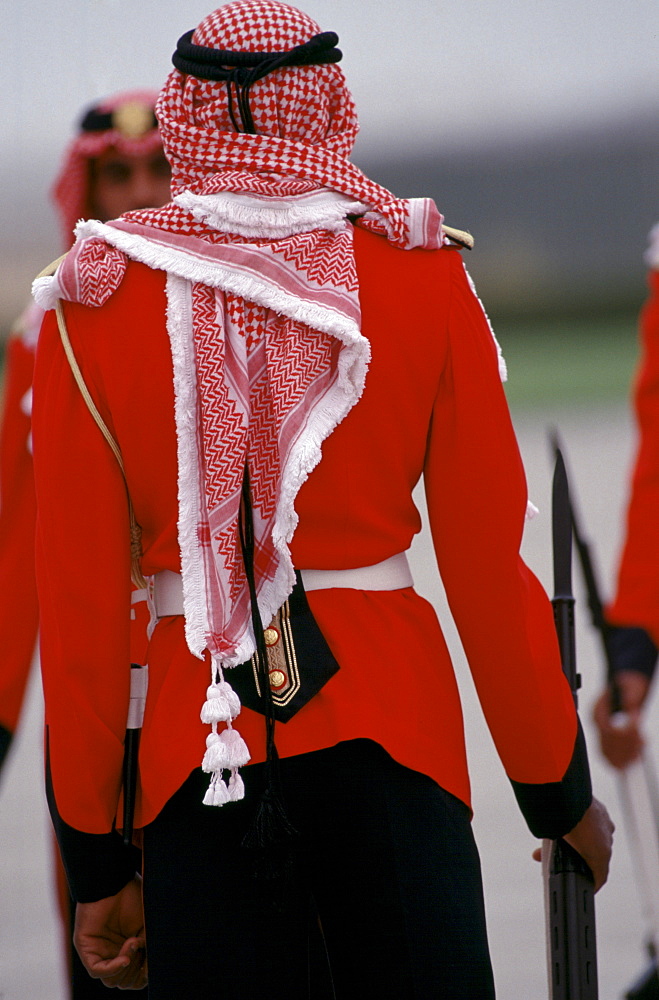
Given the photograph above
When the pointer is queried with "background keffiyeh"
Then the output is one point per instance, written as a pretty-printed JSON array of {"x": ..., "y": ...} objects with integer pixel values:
[{"x": 70, "y": 191}]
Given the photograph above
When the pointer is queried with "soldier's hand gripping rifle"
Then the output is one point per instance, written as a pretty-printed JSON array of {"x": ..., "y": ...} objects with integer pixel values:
[{"x": 569, "y": 893}]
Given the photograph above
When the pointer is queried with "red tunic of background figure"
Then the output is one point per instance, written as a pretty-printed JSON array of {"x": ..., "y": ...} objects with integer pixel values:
[
  {"x": 637, "y": 596},
  {"x": 19, "y": 614},
  {"x": 635, "y": 608}
]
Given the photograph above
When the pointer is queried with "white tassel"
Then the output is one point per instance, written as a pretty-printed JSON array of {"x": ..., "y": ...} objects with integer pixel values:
[
  {"x": 216, "y": 757},
  {"x": 218, "y": 793},
  {"x": 222, "y": 705},
  {"x": 227, "y": 750},
  {"x": 236, "y": 747},
  {"x": 216, "y": 710},
  {"x": 236, "y": 787}
]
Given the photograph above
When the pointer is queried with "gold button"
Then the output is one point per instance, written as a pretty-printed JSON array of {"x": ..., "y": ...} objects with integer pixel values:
[
  {"x": 271, "y": 636},
  {"x": 277, "y": 678}
]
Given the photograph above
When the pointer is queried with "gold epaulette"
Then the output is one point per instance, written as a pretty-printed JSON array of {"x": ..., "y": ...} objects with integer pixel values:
[
  {"x": 459, "y": 237},
  {"x": 52, "y": 267}
]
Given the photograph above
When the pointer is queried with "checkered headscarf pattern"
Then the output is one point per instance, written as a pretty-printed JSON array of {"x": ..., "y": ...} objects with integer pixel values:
[
  {"x": 305, "y": 118},
  {"x": 70, "y": 190}
]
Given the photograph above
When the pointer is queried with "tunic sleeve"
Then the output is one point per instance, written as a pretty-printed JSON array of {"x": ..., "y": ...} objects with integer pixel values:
[
  {"x": 83, "y": 576},
  {"x": 476, "y": 492}
]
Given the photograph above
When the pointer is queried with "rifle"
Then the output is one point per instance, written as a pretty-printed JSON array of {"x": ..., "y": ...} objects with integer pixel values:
[
  {"x": 637, "y": 783},
  {"x": 139, "y": 679},
  {"x": 569, "y": 895}
]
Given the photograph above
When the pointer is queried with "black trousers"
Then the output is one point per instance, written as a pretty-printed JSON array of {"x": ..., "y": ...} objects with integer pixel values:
[{"x": 385, "y": 862}]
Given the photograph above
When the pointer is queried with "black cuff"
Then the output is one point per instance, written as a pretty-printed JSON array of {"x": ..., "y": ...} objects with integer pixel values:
[
  {"x": 553, "y": 809},
  {"x": 97, "y": 865},
  {"x": 631, "y": 648},
  {"x": 5, "y": 740}
]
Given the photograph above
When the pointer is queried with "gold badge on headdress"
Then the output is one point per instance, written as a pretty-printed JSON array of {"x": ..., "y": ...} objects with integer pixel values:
[{"x": 133, "y": 119}]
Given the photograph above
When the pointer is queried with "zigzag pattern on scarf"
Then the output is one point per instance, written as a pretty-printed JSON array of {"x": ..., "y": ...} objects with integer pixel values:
[{"x": 324, "y": 258}]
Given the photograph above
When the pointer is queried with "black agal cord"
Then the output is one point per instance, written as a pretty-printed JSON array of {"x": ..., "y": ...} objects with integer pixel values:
[{"x": 242, "y": 69}]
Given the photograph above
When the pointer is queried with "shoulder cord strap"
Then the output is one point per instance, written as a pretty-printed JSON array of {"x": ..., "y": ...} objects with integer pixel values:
[{"x": 135, "y": 530}]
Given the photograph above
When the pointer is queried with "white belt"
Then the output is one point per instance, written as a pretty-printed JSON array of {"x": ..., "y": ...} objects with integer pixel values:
[
  {"x": 390, "y": 574},
  {"x": 166, "y": 587}
]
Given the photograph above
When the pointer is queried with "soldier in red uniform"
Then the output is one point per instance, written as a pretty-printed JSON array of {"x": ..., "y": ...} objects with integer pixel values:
[
  {"x": 115, "y": 163},
  {"x": 279, "y": 355},
  {"x": 634, "y": 612}
]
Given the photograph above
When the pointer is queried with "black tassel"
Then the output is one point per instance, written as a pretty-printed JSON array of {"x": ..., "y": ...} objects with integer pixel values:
[{"x": 271, "y": 825}]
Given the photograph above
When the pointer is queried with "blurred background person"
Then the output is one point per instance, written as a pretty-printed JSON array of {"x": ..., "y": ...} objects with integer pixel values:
[
  {"x": 633, "y": 635},
  {"x": 634, "y": 611},
  {"x": 114, "y": 164}
]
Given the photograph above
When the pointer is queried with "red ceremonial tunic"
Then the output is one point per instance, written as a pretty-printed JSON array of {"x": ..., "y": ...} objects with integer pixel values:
[
  {"x": 637, "y": 594},
  {"x": 433, "y": 405}
]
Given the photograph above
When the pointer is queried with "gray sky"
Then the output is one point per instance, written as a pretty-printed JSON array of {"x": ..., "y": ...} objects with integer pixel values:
[{"x": 440, "y": 72}]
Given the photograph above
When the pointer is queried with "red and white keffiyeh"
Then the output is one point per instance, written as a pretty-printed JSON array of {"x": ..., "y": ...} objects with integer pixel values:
[
  {"x": 263, "y": 318},
  {"x": 70, "y": 190}
]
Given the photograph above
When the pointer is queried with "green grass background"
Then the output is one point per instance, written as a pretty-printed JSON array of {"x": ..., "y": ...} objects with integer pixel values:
[{"x": 573, "y": 362}]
